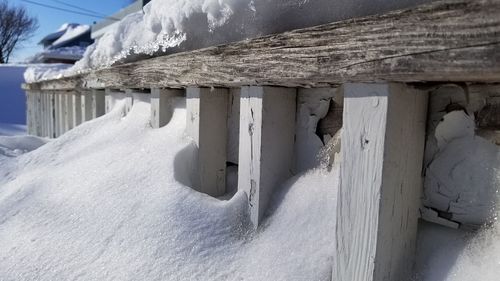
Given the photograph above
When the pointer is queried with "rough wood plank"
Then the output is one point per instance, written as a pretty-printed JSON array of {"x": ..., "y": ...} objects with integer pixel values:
[
  {"x": 162, "y": 105},
  {"x": 206, "y": 124},
  {"x": 452, "y": 40},
  {"x": 267, "y": 131},
  {"x": 381, "y": 184}
]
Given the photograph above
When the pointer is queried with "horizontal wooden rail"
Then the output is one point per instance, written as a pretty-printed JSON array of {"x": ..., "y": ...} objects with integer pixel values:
[{"x": 451, "y": 40}]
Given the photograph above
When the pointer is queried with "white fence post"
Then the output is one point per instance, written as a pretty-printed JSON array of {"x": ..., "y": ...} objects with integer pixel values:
[
  {"x": 162, "y": 105},
  {"x": 98, "y": 103},
  {"x": 206, "y": 124},
  {"x": 382, "y": 151},
  {"x": 111, "y": 96},
  {"x": 129, "y": 100},
  {"x": 76, "y": 104},
  {"x": 69, "y": 109},
  {"x": 267, "y": 129}
]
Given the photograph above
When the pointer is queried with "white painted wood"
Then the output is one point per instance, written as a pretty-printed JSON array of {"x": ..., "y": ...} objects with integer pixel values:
[
  {"x": 98, "y": 103},
  {"x": 162, "y": 106},
  {"x": 112, "y": 96},
  {"x": 76, "y": 108},
  {"x": 233, "y": 125},
  {"x": 63, "y": 113},
  {"x": 86, "y": 105},
  {"x": 129, "y": 100},
  {"x": 69, "y": 110},
  {"x": 381, "y": 184},
  {"x": 57, "y": 114},
  {"x": 206, "y": 125},
  {"x": 51, "y": 115},
  {"x": 267, "y": 128},
  {"x": 38, "y": 110},
  {"x": 43, "y": 113},
  {"x": 29, "y": 107}
]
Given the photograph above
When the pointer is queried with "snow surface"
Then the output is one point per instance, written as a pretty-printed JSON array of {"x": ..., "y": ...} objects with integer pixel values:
[
  {"x": 7, "y": 129},
  {"x": 71, "y": 53},
  {"x": 37, "y": 72},
  {"x": 71, "y": 32},
  {"x": 101, "y": 203},
  {"x": 463, "y": 178},
  {"x": 167, "y": 26}
]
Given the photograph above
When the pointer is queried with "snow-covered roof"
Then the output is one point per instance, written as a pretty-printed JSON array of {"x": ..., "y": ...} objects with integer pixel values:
[{"x": 64, "y": 34}]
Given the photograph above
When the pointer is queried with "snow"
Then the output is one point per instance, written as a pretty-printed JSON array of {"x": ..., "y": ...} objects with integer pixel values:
[
  {"x": 463, "y": 177},
  {"x": 7, "y": 129},
  {"x": 37, "y": 72},
  {"x": 11, "y": 146},
  {"x": 71, "y": 32},
  {"x": 101, "y": 203},
  {"x": 70, "y": 53},
  {"x": 166, "y": 26}
]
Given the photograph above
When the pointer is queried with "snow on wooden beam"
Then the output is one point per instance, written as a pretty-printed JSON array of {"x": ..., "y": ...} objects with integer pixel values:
[
  {"x": 267, "y": 128},
  {"x": 206, "y": 125},
  {"x": 381, "y": 184},
  {"x": 162, "y": 105},
  {"x": 445, "y": 40}
]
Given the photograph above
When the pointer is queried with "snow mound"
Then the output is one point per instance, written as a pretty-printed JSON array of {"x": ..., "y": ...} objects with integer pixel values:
[
  {"x": 17, "y": 145},
  {"x": 463, "y": 178},
  {"x": 71, "y": 31},
  {"x": 37, "y": 72},
  {"x": 101, "y": 203}
]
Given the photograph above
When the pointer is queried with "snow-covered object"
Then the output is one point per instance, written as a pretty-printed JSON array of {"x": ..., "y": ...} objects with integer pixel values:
[
  {"x": 16, "y": 145},
  {"x": 71, "y": 32},
  {"x": 64, "y": 53},
  {"x": 463, "y": 177},
  {"x": 101, "y": 203},
  {"x": 179, "y": 25},
  {"x": 37, "y": 72}
]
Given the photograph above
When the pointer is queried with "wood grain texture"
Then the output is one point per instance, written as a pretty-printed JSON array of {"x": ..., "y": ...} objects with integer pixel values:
[
  {"x": 377, "y": 214},
  {"x": 451, "y": 40}
]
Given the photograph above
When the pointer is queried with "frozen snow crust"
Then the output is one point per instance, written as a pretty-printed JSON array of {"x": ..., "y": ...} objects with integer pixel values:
[{"x": 101, "y": 203}]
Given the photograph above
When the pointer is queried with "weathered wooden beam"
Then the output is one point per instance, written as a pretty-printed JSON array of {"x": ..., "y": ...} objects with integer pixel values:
[
  {"x": 450, "y": 40},
  {"x": 267, "y": 130},
  {"x": 162, "y": 105},
  {"x": 207, "y": 126},
  {"x": 381, "y": 183}
]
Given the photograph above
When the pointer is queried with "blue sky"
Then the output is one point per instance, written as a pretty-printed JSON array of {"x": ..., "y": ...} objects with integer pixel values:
[{"x": 50, "y": 20}]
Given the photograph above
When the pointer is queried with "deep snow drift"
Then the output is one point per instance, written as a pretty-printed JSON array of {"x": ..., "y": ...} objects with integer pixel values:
[{"x": 101, "y": 203}]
